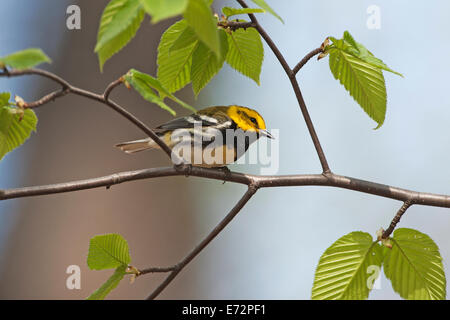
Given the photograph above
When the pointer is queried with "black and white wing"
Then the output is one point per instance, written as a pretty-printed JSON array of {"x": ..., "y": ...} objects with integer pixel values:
[{"x": 210, "y": 117}]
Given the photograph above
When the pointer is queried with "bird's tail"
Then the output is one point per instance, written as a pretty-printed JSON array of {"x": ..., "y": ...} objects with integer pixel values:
[{"x": 137, "y": 145}]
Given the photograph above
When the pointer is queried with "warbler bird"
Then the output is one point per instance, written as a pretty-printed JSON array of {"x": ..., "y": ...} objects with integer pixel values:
[{"x": 212, "y": 137}]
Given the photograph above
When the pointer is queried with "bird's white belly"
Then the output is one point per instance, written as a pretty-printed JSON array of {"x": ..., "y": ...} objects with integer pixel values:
[{"x": 209, "y": 156}]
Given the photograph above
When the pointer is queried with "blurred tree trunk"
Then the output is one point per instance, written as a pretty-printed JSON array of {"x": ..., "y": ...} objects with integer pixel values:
[{"x": 75, "y": 140}]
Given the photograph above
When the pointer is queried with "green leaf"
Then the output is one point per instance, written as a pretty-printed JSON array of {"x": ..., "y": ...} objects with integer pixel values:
[
  {"x": 24, "y": 59},
  {"x": 146, "y": 92},
  {"x": 108, "y": 251},
  {"x": 359, "y": 51},
  {"x": 362, "y": 80},
  {"x": 228, "y": 12},
  {"x": 205, "y": 64},
  {"x": 145, "y": 83},
  {"x": 4, "y": 99},
  {"x": 266, "y": 7},
  {"x": 16, "y": 125},
  {"x": 199, "y": 16},
  {"x": 245, "y": 52},
  {"x": 343, "y": 272},
  {"x": 163, "y": 9},
  {"x": 109, "y": 285},
  {"x": 414, "y": 266},
  {"x": 185, "y": 39},
  {"x": 118, "y": 25},
  {"x": 174, "y": 66}
]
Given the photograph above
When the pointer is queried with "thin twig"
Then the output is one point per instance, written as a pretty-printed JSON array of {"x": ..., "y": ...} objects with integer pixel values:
[
  {"x": 68, "y": 88},
  {"x": 291, "y": 75},
  {"x": 33, "y": 71},
  {"x": 156, "y": 270},
  {"x": 234, "y": 25},
  {"x": 111, "y": 87},
  {"x": 179, "y": 266},
  {"x": 306, "y": 59},
  {"x": 397, "y": 218},
  {"x": 48, "y": 98}
]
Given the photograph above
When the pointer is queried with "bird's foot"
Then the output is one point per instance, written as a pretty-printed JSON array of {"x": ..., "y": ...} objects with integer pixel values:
[{"x": 227, "y": 173}]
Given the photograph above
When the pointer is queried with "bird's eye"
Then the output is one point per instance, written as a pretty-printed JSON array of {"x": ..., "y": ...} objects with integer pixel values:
[{"x": 254, "y": 121}]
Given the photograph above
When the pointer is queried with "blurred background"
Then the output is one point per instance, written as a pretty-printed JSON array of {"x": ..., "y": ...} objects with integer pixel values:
[{"x": 271, "y": 249}]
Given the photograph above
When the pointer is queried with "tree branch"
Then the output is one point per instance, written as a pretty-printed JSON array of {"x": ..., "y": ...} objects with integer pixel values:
[
  {"x": 291, "y": 75},
  {"x": 156, "y": 270},
  {"x": 329, "y": 180},
  {"x": 306, "y": 59},
  {"x": 179, "y": 266},
  {"x": 234, "y": 25},
  {"x": 33, "y": 71},
  {"x": 111, "y": 87},
  {"x": 396, "y": 219},
  {"x": 46, "y": 99},
  {"x": 104, "y": 98},
  {"x": 254, "y": 182}
]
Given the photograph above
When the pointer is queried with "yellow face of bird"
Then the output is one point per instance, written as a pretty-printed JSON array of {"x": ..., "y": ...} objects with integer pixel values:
[{"x": 247, "y": 119}]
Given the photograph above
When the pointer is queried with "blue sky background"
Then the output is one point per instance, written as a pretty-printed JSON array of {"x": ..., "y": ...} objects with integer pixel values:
[{"x": 273, "y": 246}]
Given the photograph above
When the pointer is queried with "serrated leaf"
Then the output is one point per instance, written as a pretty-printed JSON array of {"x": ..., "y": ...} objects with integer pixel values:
[
  {"x": 146, "y": 92},
  {"x": 359, "y": 51},
  {"x": 199, "y": 16},
  {"x": 262, "y": 4},
  {"x": 109, "y": 285},
  {"x": 108, "y": 251},
  {"x": 245, "y": 52},
  {"x": 174, "y": 67},
  {"x": 342, "y": 272},
  {"x": 362, "y": 80},
  {"x": 229, "y": 12},
  {"x": 414, "y": 266},
  {"x": 205, "y": 64},
  {"x": 24, "y": 59},
  {"x": 118, "y": 25},
  {"x": 163, "y": 9},
  {"x": 16, "y": 125},
  {"x": 185, "y": 39},
  {"x": 144, "y": 82},
  {"x": 349, "y": 38}
]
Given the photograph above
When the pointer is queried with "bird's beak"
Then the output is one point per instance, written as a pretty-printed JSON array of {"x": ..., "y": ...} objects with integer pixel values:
[{"x": 266, "y": 133}]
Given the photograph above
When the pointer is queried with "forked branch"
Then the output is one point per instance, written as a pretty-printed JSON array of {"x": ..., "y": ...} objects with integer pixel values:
[
  {"x": 254, "y": 182},
  {"x": 291, "y": 75},
  {"x": 104, "y": 98}
]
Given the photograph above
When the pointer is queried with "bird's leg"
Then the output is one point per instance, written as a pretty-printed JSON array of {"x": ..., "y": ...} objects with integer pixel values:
[
  {"x": 226, "y": 171},
  {"x": 185, "y": 167}
]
